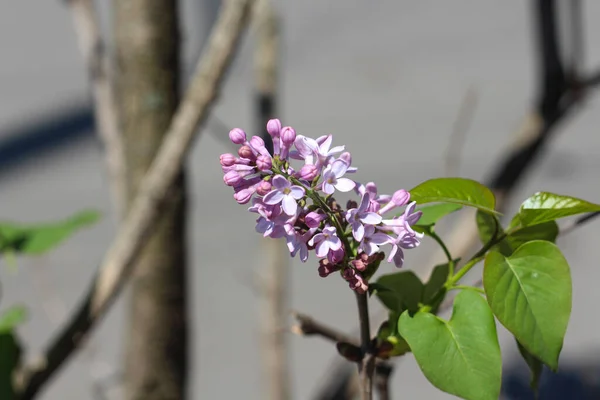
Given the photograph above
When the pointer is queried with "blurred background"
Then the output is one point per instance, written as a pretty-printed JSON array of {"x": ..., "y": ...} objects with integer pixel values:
[{"x": 387, "y": 79}]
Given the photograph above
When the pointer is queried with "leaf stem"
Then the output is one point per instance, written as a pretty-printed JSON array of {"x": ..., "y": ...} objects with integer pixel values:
[
  {"x": 439, "y": 240},
  {"x": 465, "y": 287}
]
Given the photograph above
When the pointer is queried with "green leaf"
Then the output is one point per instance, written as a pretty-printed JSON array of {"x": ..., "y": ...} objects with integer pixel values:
[
  {"x": 460, "y": 356},
  {"x": 454, "y": 190},
  {"x": 391, "y": 342},
  {"x": 38, "y": 239},
  {"x": 530, "y": 294},
  {"x": 10, "y": 354},
  {"x": 535, "y": 366},
  {"x": 544, "y": 206},
  {"x": 11, "y": 318},
  {"x": 436, "y": 282},
  {"x": 434, "y": 212},
  {"x": 399, "y": 291},
  {"x": 489, "y": 226}
]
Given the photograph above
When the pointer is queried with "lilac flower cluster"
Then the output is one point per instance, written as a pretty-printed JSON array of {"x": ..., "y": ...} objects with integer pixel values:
[{"x": 297, "y": 204}]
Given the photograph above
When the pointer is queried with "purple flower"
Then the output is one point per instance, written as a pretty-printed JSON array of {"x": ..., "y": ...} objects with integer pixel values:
[
  {"x": 372, "y": 240},
  {"x": 325, "y": 242},
  {"x": 308, "y": 172},
  {"x": 332, "y": 178},
  {"x": 408, "y": 218},
  {"x": 399, "y": 198},
  {"x": 274, "y": 129},
  {"x": 375, "y": 201},
  {"x": 404, "y": 240},
  {"x": 313, "y": 219},
  {"x": 237, "y": 136},
  {"x": 316, "y": 152},
  {"x": 297, "y": 242},
  {"x": 356, "y": 217},
  {"x": 285, "y": 193}
]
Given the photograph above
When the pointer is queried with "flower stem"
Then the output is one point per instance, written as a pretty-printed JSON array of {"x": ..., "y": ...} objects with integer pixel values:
[
  {"x": 366, "y": 365},
  {"x": 439, "y": 240}
]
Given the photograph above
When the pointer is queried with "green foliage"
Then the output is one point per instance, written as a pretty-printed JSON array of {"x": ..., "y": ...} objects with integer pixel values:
[
  {"x": 461, "y": 191},
  {"x": 530, "y": 294},
  {"x": 11, "y": 318},
  {"x": 38, "y": 239},
  {"x": 10, "y": 354},
  {"x": 434, "y": 212},
  {"x": 544, "y": 206},
  {"x": 460, "y": 356},
  {"x": 489, "y": 228},
  {"x": 535, "y": 366}
]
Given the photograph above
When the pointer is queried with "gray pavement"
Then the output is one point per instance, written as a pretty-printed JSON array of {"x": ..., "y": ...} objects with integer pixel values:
[{"x": 385, "y": 78}]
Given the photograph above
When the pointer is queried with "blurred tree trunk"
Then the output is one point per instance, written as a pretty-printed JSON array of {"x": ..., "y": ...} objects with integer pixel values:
[{"x": 147, "y": 47}]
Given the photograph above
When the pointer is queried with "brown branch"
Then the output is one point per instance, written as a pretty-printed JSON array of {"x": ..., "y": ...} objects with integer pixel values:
[
  {"x": 153, "y": 192},
  {"x": 383, "y": 372},
  {"x": 276, "y": 366},
  {"x": 93, "y": 50},
  {"x": 367, "y": 362},
  {"x": 308, "y": 326}
]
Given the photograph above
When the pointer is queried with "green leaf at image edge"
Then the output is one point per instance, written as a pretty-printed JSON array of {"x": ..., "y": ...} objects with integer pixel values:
[
  {"x": 461, "y": 356},
  {"x": 10, "y": 354},
  {"x": 462, "y": 191},
  {"x": 12, "y": 317},
  {"x": 545, "y": 206},
  {"x": 40, "y": 238},
  {"x": 530, "y": 294}
]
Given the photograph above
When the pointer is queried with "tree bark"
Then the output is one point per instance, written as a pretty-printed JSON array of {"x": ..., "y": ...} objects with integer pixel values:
[{"x": 147, "y": 43}]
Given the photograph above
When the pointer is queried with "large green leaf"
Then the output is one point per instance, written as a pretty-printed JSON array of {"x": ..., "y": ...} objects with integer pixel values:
[
  {"x": 460, "y": 356},
  {"x": 399, "y": 291},
  {"x": 544, "y": 206},
  {"x": 489, "y": 227},
  {"x": 434, "y": 212},
  {"x": 535, "y": 366},
  {"x": 12, "y": 317},
  {"x": 454, "y": 190},
  {"x": 10, "y": 354},
  {"x": 38, "y": 239},
  {"x": 530, "y": 294}
]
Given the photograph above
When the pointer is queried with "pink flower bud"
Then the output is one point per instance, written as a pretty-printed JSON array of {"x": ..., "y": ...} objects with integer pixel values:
[
  {"x": 264, "y": 163},
  {"x": 274, "y": 127},
  {"x": 288, "y": 135},
  {"x": 308, "y": 172},
  {"x": 244, "y": 195},
  {"x": 227, "y": 160},
  {"x": 358, "y": 264},
  {"x": 232, "y": 178},
  {"x": 336, "y": 256},
  {"x": 264, "y": 187},
  {"x": 348, "y": 274},
  {"x": 313, "y": 219},
  {"x": 237, "y": 136},
  {"x": 400, "y": 197},
  {"x": 246, "y": 152}
]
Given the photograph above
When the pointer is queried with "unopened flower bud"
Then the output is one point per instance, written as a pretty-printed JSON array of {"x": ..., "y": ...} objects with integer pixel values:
[
  {"x": 348, "y": 274},
  {"x": 308, "y": 172},
  {"x": 237, "y": 136},
  {"x": 400, "y": 197},
  {"x": 264, "y": 163},
  {"x": 227, "y": 160},
  {"x": 244, "y": 195},
  {"x": 313, "y": 219},
  {"x": 358, "y": 264},
  {"x": 263, "y": 188},
  {"x": 246, "y": 152},
  {"x": 232, "y": 178},
  {"x": 336, "y": 256},
  {"x": 288, "y": 135},
  {"x": 274, "y": 128},
  {"x": 351, "y": 204}
]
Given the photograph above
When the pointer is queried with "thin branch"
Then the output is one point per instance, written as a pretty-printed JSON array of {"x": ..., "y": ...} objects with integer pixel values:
[
  {"x": 93, "y": 50},
  {"x": 308, "y": 326},
  {"x": 383, "y": 372},
  {"x": 153, "y": 192},
  {"x": 459, "y": 131}
]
